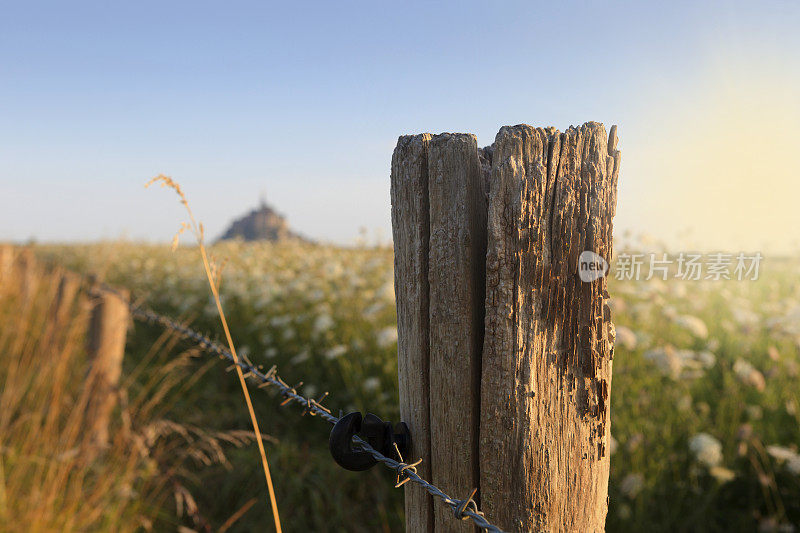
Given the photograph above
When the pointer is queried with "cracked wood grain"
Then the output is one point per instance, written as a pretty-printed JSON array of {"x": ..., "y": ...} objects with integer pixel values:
[
  {"x": 410, "y": 230},
  {"x": 504, "y": 355},
  {"x": 548, "y": 346}
]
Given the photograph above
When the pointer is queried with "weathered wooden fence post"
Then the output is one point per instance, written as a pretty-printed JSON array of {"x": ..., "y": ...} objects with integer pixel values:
[
  {"x": 439, "y": 226},
  {"x": 516, "y": 404},
  {"x": 29, "y": 277},
  {"x": 106, "y": 346},
  {"x": 549, "y": 340},
  {"x": 7, "y": 258},
  {"x": 6, "y": 262},
  {"x": 68, "y": 285},
  {"x": 411, "y": 232}
]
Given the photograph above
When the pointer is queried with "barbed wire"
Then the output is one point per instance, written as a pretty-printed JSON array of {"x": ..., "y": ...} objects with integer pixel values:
[{"x": 462, "y": 509}]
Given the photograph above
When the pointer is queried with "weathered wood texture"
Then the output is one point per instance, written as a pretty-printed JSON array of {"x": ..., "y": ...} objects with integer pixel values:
[
  {"x": 456, "y": 273},
  {"x": 29, "y": 276},
  {"x": 410, "y": 228},
  {"x": 64, "y": 302},
  {"x": 7, "y": 255},
  {"x": 504, "y": 353},
  {"x": 106, "y": 347},
  {"x": 439, "y": 225},
  {"x": 546, "y": 373},
  {"x": 7, "y": 259}
]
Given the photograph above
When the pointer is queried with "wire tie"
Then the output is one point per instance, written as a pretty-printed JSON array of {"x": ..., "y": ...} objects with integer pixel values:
[
  {"x": 271, "y": 372},
  {"x": 402, "y": 467},
  {"x": 311, "y": 404},
  {"x": 317, "y": 403},
  {"x": 458, "y": 511},
  {"x": 307, "y": 408},
  {"x": 286, "y": 393}
]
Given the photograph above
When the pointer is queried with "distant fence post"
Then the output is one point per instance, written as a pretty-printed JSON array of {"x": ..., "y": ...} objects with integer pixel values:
[
  {"x": 68, "y": 285},
  {"x": 29, "y": 276},
  {"x": 106, "y": 346},
  {"x": 7, "y": 257},
  {"x": 504, "y": 348},
  {"x": 6, "y": 262}
]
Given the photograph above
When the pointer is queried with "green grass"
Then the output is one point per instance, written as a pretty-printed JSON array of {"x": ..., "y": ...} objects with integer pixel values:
[{"x": 325, "y": 315}]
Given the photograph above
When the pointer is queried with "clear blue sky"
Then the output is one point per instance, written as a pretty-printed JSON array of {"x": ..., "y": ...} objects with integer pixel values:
[{"x": 304, "y": 101}]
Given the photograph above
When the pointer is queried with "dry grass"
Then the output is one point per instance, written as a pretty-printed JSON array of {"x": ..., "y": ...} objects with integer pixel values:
[
  {"x": 52, "y": 475},
  {"x": 214, "y": 274}
]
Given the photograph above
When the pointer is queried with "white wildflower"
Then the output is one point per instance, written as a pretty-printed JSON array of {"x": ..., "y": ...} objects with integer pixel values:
[
  {"x": 632, "y": 485},
  {"x": 706, "y": 449},
  {"x": 793, "y": 466},
  {"x": 722, "y": 474},
  {"x": 300, "y": 358},
  {"x": 695, "y": 326},
  {"x": 387, "y": 337},
  {"x": 280, "y": 321},
  {"x": 781, "y": 453},
  {"x": 624, "y": 511},
  {"x": 754, "y": 412},
  {"x": 357, "y": 345},
  {"x": 333, "y": 269},
  {"x": 787, "y": 455},
  {"x": 669, "y": 312},
  {"x": 706, "y": 358},
  {"x": 373, "y": 310},
  {"x": 335, "y": 352},
  {"x": 626, "y": 337},
  {"x": 310, "y": 390},
  {"x": 323, "y": 323},
  {"x": 126, "y": 491},
  {"x": 635, "y": 441},
  {"x": 745, "y": 317},
  {"x": 749, "y": 375},
  {"x": 666, "y": 359},
  {"x": 681, "y": 364},
  {"x": 371, "y": 384},
  {"x": 316, "y": 295}
]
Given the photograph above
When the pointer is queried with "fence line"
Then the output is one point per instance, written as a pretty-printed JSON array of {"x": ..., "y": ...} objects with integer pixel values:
[{"x": 462, "y": 509}]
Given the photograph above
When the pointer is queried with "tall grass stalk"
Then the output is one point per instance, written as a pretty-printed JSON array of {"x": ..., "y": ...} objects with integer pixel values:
[{"x": 214, "y": 277}]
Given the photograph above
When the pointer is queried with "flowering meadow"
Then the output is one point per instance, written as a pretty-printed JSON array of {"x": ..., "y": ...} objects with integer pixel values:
[{"x": 705, "y": 393}]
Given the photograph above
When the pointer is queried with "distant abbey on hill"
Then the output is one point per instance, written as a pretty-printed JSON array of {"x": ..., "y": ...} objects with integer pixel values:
[{"x": 262, "y": 224}]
